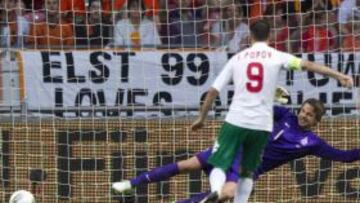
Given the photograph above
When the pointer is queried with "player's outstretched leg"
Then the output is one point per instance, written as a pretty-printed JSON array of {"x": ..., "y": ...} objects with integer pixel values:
[
  {"x": 244, "y": 187},
  {"x": 155, "y": 175},
  {"x": 217, "y": 180}
]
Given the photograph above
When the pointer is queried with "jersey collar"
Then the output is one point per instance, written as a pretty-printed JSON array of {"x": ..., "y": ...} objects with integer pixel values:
[{"x": 260, "y": 44}]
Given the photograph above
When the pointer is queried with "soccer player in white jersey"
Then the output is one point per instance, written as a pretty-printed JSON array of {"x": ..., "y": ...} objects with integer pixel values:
[{"x": 254, "y": 72}]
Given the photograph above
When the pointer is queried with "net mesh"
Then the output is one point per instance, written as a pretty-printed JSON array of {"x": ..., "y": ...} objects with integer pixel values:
[
  {"x": 81, "y": 158},
  {"x": 93, "y": 92}
]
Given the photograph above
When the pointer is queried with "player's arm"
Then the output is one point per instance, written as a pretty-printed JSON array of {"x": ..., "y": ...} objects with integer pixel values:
[
  {"x": 209, "y": 99},
  {"x": 345, "y": 80},
  {"x": 280, "y": 112},
  {"x": 161, "y": 173},
  {"x": 220, "y": 82},
  {"x": 326, "y": 151},
  {"x": 294, "y": 63}
]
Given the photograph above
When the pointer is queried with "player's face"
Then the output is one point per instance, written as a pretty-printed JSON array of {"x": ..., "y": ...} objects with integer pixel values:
[
  {"x": 135, "y": 10},
  {"x": 95, "y": 9},
  {"x": 306, "y": 116},
  {"x": 52, "y": 6}
]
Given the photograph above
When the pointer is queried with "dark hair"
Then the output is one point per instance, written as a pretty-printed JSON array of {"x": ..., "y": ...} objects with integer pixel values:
[
  {"x": 318, "y": 106},
  {"x": 260, "y": 30}
]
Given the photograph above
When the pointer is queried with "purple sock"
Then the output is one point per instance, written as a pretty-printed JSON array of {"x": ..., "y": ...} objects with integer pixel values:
[
  {"x": 195, "y": 199},
  {"x": 156, "y": 175}
]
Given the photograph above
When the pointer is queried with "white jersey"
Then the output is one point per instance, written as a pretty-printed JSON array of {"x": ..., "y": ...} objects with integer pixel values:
[{"x": 254, "y": 72}]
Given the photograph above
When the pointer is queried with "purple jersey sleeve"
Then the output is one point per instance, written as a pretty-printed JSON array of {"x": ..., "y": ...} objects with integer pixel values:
[
  {"x": 287, "y": 142},
  {"x": 326, "y": 151},
  {"x": 280, "y": 112}
]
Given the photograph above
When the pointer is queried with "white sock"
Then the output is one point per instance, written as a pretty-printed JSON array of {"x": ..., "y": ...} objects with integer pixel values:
[
  {"x": 217, "y": 179},
  {"x": 243, "y": 190}
]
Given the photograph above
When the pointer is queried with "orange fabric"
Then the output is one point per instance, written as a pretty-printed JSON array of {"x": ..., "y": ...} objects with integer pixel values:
[
  {"x": 351, "y": 43},
  {"x": 258, "y": 7},
  {"x": 317, "y": 39},
  {"x": 256, "y": 10},
  {"x": 118, "y": 4},
  {"x": 152, "y": 6},
  {"x": 106, "y": 5},
  {"x": 46, "y": 35},
  {"x": 335, "y": 3},
  {"x": 76, "y": 6}
]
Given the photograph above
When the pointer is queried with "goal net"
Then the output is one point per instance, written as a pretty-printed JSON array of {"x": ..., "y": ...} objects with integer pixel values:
[{"x": 93, "y": 92}]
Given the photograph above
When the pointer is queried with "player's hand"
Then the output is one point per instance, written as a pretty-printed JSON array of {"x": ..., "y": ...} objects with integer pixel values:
[
  {"x": 197, "y": 124},
  {"x": 281, "y": 95},
  {"x": 346, "y": 81}
]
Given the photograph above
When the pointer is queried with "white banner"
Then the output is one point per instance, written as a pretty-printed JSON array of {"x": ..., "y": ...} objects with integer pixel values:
[{"x": 147, "y": 78}]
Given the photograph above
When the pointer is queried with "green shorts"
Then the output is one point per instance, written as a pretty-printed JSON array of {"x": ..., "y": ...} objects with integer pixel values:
[{"x": 231, "y": 139}]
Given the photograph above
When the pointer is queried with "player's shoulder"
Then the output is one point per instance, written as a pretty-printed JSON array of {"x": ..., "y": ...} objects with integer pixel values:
[
  {"x": 237, "y": 56},
  {"x": 314, "y": 139},
  {"x": 274, "y": 52}
]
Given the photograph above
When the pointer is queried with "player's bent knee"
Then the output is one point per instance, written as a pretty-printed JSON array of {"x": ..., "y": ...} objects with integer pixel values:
[
  {"x": 246, "y": 174},
  {"x": 189, "y": 165}
]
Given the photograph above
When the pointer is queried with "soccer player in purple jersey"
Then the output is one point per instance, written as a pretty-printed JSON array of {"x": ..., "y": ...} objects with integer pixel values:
[
  {"x": 290, "y": 139},
  {"x": 249, "y": 120}
]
